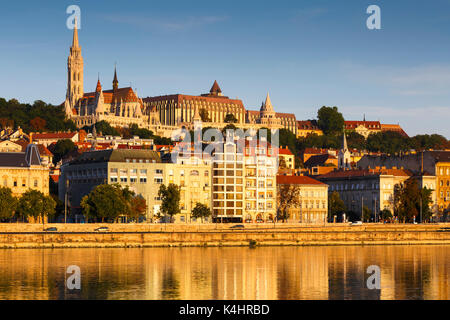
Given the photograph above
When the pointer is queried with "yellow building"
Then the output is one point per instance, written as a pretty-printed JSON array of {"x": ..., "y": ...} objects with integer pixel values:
[
  {"x": 443, "y": 184},
  {"x": 313, "y": 202},
  {"x": 286, "y": 158},
  {"x": 21, "y": 171},
  {"x": 194, "y": 177},
  {"x": 9, "y": 146},
  {"x": 305, "y": 128}
]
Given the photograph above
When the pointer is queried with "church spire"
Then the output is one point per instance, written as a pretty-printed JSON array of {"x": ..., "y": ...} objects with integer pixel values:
[
  {"x": 75, "y": 36},
  {"x": 99, "y": 85},
  {"x": 344, "y": 142},
  {"x": 115, "y": 81}
]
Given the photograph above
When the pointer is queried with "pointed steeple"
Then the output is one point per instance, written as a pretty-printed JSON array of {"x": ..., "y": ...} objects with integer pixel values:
[
  {"x": 115, "y": 81},
  {"x": 75, "y": 35},
  {"x": 268, "y": 103},
  {"x": 99, "y": 86},
  {"x": 344, "y": 142},
  {"x": 215, "y": 89}
]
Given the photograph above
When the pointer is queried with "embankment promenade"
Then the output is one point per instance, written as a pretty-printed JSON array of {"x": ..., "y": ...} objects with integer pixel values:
[{"x": 21, "y": 235}]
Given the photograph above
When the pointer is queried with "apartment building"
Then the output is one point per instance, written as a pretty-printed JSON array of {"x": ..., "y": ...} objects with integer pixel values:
[
  {"x": 373, "y": 188},
  {"x": 244, "y": 186},
  {"x": 428, "y": 163},
  {"x": 313, "y": 199},
  {"x": 143, "y": 172},
  {"x": 22, "y": 171}
]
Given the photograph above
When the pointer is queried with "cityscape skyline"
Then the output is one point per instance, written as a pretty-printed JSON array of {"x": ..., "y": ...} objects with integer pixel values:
[{"x": 249, "y": 53}]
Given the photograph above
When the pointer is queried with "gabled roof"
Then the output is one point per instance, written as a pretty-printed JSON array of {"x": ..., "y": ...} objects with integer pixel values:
[
  {"x": 307, "y": 125},
  {"x": 301, "y": 180},
  {"x": 318, "y": 160},
  {"x": 54, "y": 135},
  {"x": 21, "y": 159}
]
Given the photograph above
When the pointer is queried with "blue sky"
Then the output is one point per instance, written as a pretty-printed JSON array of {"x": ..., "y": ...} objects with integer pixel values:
[{"x": 306, "y": 53}]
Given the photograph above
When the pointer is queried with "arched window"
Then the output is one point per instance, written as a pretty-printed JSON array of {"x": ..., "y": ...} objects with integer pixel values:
[{"x": 194, "y": 173}]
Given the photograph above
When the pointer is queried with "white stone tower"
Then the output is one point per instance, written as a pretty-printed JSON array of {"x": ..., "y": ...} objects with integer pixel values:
[
  {"x": 344, "y": 156},
  {"x": 74, "y": 71}
]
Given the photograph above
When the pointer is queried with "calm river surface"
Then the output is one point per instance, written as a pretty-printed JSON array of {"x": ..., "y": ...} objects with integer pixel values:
[{"x": 336, "y": 272}]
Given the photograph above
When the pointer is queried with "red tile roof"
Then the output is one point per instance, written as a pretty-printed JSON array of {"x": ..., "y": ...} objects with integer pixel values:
[
  {"x": 285, "y": 151},
  {"x": 373, "y": 125},
  {"x": 365, "y": 172},
  {"x": 306, "y": 125},
  {"x": 57, "y": 135},
  {"x": 297, "y": 180}
]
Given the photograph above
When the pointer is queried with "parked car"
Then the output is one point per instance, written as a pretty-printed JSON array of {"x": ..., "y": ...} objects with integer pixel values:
[
  {"x": 357, "y": 223},
  {"x": 248, "y": 221},
  {"x": 51, "y": 229},
  {"x": 259, "y": 220},
  {"x": 102, "y": 229},
  {"x": 237, "y": 226}
]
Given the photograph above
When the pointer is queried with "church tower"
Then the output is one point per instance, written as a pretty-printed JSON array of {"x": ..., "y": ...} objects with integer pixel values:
[
  {"x": 74, "y": 71},
  {"x": 115, "y": 81},
  {"x": 344, "y": 155}
]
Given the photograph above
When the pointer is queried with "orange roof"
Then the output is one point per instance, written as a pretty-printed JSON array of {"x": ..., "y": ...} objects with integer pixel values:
[
  {"x": 285, "y": 115},
  {"x": 109, "y": 96},
  {"x": 285, "y": 151},
  {"x": 43, "y": 151},
  {"x": 55, "y": 177},
  {"x": 366, "y": 172},
  {"x": 53, "y": 135},
  {"x": 306, "y": 125},
  {"x": 297, "y": 180},
  {"x": 368, "y": 124}
]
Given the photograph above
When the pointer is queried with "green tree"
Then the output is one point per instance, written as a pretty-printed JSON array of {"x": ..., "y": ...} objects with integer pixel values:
[
  {"x": 8, "y": 203},
  {"x": 230, "y": 118},
  {"x": 105, "y": 128},
  {"x": 336, "y": 205},
  {"x": 426, "y": 204},
  {"x": 367, "y": 214},
  {"x": 204, "y": 115},
  {"x": 62, "y": 148},
  {"x": 200, "y": 211},
  {"x": 170, "y": 199},
  {"x": 138, "y": 207},
  {"x": 105, "y": 201},
  {"x": 386, "y": 214},
  {"x": 408, "y": 199},
  {"x": 330, "y": 120},
  {"x": 34, "y": 204},
  {"x": 288, "y": 196},
  {"x": 390, "y": 142}
]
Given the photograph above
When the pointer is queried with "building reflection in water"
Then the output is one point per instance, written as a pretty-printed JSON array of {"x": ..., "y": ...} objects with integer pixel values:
[{"x": 407, "y": 272}]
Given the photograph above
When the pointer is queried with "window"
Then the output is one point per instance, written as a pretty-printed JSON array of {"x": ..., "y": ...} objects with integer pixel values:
[
  {"x": 143, "y": 171},
  {"x": 133, "y": 180},
  {"x": 35, "y": 183},
  {"x": 143, "y": 180},
  {"x": 123, "y": 179},
  {"x": 158, "y": 171},
  {"x": 194, "y": 172},
  {"x": 158, "y": 180},
  {"x": 113, "y": 179},
  {"x": 23, "y": 183}
]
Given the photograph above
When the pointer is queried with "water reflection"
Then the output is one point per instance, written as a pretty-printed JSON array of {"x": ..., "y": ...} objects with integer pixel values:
[{"x": 407, "y": 272}]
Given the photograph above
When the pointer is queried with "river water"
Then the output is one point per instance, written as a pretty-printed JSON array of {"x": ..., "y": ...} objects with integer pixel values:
[{"x": 333, "y": 272}]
